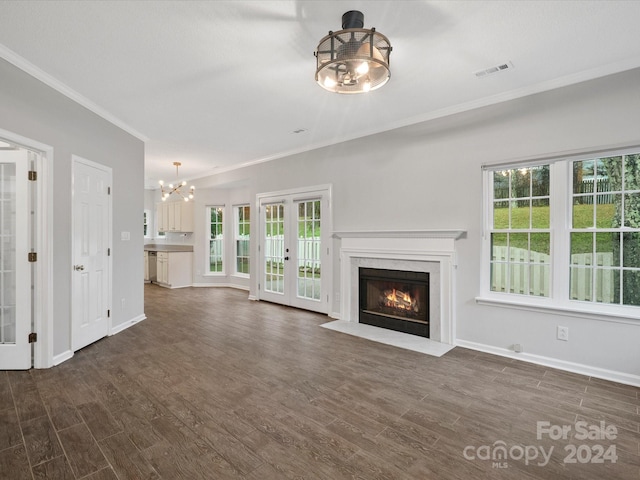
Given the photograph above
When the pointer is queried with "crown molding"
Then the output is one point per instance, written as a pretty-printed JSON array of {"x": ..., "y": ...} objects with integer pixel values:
[{"x": 39, "y": 74}]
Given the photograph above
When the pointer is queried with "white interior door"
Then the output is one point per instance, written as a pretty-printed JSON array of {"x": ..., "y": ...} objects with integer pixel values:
[
  {"x": 15, "y": 270},
  {"x": 91, "y": 267},
  {"x": 294, "y": 250}
]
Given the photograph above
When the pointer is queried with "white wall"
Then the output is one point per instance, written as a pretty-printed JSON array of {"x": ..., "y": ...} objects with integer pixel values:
[
  {"x": 428, "y": 176},
  {"x": 31, "y": 109}
]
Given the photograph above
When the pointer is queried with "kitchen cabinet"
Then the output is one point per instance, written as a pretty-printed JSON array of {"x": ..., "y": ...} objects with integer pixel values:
[
  {"x": 146, "y": 266},
  {"x": 174, "y": 269},
  {"x": 175, "y": 216}
]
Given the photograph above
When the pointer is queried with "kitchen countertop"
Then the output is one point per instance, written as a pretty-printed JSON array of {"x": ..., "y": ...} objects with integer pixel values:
[{"x": 152, "y": 247}]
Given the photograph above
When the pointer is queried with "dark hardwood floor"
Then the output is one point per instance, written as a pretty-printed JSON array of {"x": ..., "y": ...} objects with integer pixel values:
[{"x": 213, "y": 386}]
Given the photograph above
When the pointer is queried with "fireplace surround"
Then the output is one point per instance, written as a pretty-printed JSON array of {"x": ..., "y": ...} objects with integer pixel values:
[{"x": 427, "y": 251}]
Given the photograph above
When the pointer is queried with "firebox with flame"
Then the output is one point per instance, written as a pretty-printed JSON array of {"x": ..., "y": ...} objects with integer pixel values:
[{"x": 400, "y": 300}]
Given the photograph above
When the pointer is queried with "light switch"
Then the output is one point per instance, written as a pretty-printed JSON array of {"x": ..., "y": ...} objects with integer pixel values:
[{"x": 125, "y": 236}]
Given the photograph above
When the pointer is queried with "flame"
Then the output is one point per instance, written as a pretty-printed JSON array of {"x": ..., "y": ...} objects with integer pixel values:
[{"x": 400, "y": 300}]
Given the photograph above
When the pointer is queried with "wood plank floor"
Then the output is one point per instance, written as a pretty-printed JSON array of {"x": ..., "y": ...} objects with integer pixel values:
[{"x": 213, "y": 386}]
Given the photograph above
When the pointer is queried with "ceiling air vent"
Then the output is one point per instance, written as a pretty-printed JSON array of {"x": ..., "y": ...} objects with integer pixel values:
[{"x": 495, "y": 69}]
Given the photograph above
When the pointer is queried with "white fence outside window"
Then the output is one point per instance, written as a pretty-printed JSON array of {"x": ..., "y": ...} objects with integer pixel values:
[{"x": 536, "y": 268}]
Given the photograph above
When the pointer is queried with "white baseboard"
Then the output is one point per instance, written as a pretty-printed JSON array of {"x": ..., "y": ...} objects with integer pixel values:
[
  {"x": 221, "y": 285},
  {"x": 588, "y": 370},
  {"x": 253, "y": 298},
  {"x": 63, "y": 357},
  {"x": 335, "y": 315},
  {"x": 127, "y": 324}
]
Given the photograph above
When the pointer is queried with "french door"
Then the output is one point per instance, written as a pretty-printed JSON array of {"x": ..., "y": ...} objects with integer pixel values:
[
  {"x": 15, "y": 270},
  {"x": 295, "y": 264}
]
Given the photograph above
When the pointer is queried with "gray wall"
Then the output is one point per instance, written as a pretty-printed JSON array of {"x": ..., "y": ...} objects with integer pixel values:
[
  {"x": 33, "y": 110},
  {"x": 428, "y": 176}
]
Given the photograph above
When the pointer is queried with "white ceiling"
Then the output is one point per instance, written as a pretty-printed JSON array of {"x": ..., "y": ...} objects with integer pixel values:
[{"x": 217, "y": 84}]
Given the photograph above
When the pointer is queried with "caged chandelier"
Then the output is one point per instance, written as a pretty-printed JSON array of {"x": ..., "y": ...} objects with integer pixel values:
[
  {"x": 354, "y": 59},
  {"x": 176, "y": 188}
]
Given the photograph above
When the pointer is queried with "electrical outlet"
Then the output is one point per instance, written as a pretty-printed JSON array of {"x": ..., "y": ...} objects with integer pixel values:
[
  {"x": 563, "y": 333},
  {"x": 518, "y": 348}
]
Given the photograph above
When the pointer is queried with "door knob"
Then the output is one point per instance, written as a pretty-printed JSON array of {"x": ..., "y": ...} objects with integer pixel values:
[{"x": 78, "y": 267}]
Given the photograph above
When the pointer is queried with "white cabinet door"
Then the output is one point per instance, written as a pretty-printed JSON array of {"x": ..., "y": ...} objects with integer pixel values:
[
  {"x": 186, "y": 217},
  {"x": 146, "y": 266},
  {"x": 162, "y": 215},
  {"x": 171, "y": 217},
  {"x": 176, "y": 225},
  {"x": 163, "y": 267},
  {"x": 175, "y": 217}
]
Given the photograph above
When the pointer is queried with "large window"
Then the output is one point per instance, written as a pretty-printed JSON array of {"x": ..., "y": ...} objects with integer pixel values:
[
  {"x": 565, "y": 231},
  {"x": 216, "y": 239},
  {"x": 242, "y": 238}
]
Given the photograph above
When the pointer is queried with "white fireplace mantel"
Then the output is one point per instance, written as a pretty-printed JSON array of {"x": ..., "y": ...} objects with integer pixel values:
[
  {"x": 430, "y": 251},
  {"x": 454, "y": 234}
]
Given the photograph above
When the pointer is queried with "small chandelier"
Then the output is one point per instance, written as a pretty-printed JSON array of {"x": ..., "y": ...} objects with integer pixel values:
[
  {"x": 176, "y": 188},
  {"x": 354, "y": 59}
]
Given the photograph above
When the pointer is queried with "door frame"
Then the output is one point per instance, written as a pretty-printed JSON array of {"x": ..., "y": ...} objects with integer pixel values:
[
  {"x": 75, "y": 159},
  {"x": 327, "y": 223},
  {"x": 42, "y": 312}
]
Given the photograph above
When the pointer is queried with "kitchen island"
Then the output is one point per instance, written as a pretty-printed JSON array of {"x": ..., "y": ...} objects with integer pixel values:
[{"x": 169, "y": 266}]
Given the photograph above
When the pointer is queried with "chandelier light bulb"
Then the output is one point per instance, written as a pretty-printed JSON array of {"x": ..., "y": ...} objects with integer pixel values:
[
  {"x": 329, "y": 82},
  {"x": 161, "y": 182},
  {"x": 363, "y": 68}
]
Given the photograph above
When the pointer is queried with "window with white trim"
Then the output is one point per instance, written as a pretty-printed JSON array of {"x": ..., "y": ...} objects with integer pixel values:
[
  {"x": 216, "y": 239},
  {"x": 566, "y": 232},
  {"x": 242, "y": 232},
  {"x": 147, "y": 232}
]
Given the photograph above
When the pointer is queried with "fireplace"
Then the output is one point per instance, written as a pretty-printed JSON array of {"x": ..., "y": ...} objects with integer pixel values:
[
  {"x": 395, "y": 299},
  {"x": 427, "y": 251}
]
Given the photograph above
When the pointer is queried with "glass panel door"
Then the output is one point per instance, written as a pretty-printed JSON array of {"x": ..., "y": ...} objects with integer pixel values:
[
  {"x": 7, "y": 253},
  {"x": 294, "y": 250},
  {"x": 275, "y": 253},
  {"x": 309, "y": 244},
  {"x": 15, "y": 270}
]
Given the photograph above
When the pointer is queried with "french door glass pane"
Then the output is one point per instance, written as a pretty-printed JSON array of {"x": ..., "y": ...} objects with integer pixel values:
[
  {"x": 309, "y": 272},
  {"x": 7, "y": 253},
  {"x": 274, "y": 248}
]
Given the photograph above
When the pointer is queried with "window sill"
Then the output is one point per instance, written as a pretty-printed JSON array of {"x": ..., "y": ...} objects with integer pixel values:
[
  {"x": 214, "y": 274},
  {"x": 627, "y": 315},
  {"x": 241, "y": 275}
]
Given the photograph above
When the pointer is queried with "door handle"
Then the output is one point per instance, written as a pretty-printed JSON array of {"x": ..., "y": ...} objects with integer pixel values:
[
  {"x": 78, "y": 267},
  {"x": 286, "y": 258}
]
